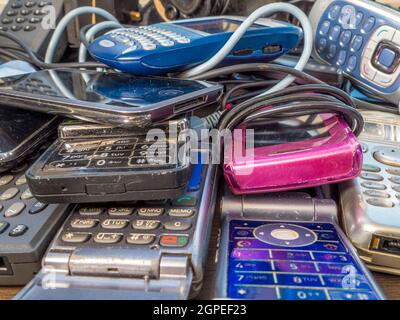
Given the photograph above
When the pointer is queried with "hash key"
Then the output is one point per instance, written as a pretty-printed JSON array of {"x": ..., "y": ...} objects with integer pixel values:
[{"x": 140, "y": 239}]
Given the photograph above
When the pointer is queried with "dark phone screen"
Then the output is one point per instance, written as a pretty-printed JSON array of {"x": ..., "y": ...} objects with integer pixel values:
[
  {"x": 17, "y": 125},
  {"x": 116, "y": 89},
  {"x": 217, "y": 25}
]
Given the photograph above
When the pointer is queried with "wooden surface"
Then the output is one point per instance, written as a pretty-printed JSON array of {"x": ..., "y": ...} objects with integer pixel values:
[{"x": 389, "y": 284}]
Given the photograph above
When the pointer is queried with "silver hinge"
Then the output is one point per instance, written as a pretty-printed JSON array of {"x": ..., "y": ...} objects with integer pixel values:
[{"x": 290, "y": 206}]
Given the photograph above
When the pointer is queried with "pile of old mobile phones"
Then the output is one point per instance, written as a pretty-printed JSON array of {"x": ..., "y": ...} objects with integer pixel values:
[
  {"x": 108, "y": 97},
  {"x": 96, "y": 163},
  {"x": 132, "y": 250},
  {"x": 292, "y": 153},
  {"x": 288, "y": 246}
]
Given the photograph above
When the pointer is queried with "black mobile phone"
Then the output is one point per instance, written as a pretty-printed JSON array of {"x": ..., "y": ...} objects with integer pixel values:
[
  {"x": 136, "y": 250},
  {"x": 21, "y": 133},
  {"x": 111, "y": 98},
  {"x": 131, "y": 166},
  {"x": 27, "y": 227}
]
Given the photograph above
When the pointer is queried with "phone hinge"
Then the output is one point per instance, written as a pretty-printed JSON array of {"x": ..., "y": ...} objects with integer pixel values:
[
  {"x": 115, "y": 262},
  {"x": 286, "y": 206},
  {"x": 172, "y": 266}
]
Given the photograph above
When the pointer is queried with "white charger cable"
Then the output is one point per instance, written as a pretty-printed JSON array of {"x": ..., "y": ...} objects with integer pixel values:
[
  {"x": 266, "y": 10},
  {"x": 51, "y": 49}
]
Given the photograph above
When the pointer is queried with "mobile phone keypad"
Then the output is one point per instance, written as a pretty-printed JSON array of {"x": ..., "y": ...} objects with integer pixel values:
[
  {"x": 292, "y": 261},
  {"x": 161, "y": 223},
  {"x": 380, "y": 179},
  {"x": 133, "y": 153}
]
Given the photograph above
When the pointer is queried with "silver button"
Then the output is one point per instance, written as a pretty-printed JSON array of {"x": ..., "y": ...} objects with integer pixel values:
[
  {"x": 6, "y": 179},
  {"x": 374, "y": 185},
  {"x": 385, "y": 203},
  {"x": 114, "y": 224},
  {"x": 145, "y": 224},
  {"x": 107, "y": 238},
  {"x": 395, "y": 180},
  {"x": 177, "y": 226},
  {"x": 15, "y": 209},
  {"x": 167, "y": 43},
  {"x": 371, "y": 176},
  {"x": 118, "y": 211},
  {"x": 27, "y": 195},
  {"x": 183, "y": 40},
  {"x": 90, "y": 211},
  {"x": 75, "y": 237},
  {"x": 149, "y": 47},
  {"x": 9, "y": 194},
  {"x": 370, "y": 168},
  {"x": 388, "y": 156},
  {"x": 396, "y": 188},
  {"x": 377, "y": 194},
  {"x": 395, "y": 172},
  {"x": 83, "y": 223},
  {"x": 20, "y": 181},
  {"x": 140, "y": 239}
]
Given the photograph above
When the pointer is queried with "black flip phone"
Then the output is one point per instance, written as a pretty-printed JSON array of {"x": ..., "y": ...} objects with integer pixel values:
[{"x": 151, "y": 165}]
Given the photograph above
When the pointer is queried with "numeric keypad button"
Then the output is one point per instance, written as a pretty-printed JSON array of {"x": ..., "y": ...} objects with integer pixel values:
[
  {"x": 150, "y": 212},
  {"x": 385, "y": 203},
  {"x": 174, "y": 241},
  {"x": 38, "y": 207},
  {"x": 388, "y": 156},
  {"x": 75, "y": 237},
  {"x": 90, "y": 211},
  {"x": 115, "y": 224},
  {"x": 14, "y": 210},
  {"x": 20, "y": 181},
  {"x": 6, "y": 179},
  {"x": 3, "y": 226},
  {"x": 140, "y": 239},
  {"x": 9, "y": 194},
  {"x": 107, "y": 238},
  {"x": 18, "y": 230},
  {"x": 395, "y": 180},
  {"x": 30, "y": 4},
  {"x": 371, "y": 176},
  {"x": 120, "y": 212},
  {"x": 374, "y": 185},
  {"x": 177, "y": 226},
  {"x": 83, "y": 223},
  {"x": 145, "y": 224},
  {"x": 377, "y": 194},
  {"x": 394, "y": 172},
  {"x": 26, "y": 195},
  {"x": 370, "y": 168}
]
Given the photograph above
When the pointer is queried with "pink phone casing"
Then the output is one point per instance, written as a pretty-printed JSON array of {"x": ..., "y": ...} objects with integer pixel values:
[{"x": 294, "y": 165}]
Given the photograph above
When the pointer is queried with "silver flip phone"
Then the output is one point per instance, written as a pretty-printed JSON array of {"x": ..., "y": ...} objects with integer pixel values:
[
  {"x": 288, "y": 246},
  {"x": 371, "y": 203},
  {"x": 143, "y": 250}
]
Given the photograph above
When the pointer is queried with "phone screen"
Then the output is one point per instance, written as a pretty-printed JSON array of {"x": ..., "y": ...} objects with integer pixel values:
[
  {"x": 18, "y": 125},
  {"x": 116, "y": 89}
]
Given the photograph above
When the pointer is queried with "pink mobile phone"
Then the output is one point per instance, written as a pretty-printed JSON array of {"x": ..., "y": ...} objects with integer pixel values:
[{"x": 292, "y": 153}]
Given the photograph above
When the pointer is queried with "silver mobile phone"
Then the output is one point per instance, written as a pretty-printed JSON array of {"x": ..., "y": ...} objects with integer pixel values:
[
  {"x": 370, "y": 203},
  {"x": 288, "y": 246},
  {"x": 143, "y": 250}
]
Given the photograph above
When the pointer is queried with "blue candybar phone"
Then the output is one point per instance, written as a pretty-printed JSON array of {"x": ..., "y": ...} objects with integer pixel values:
[
  {"x": 288, "y": 246},
  {"x": 179, "y": 45}
]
